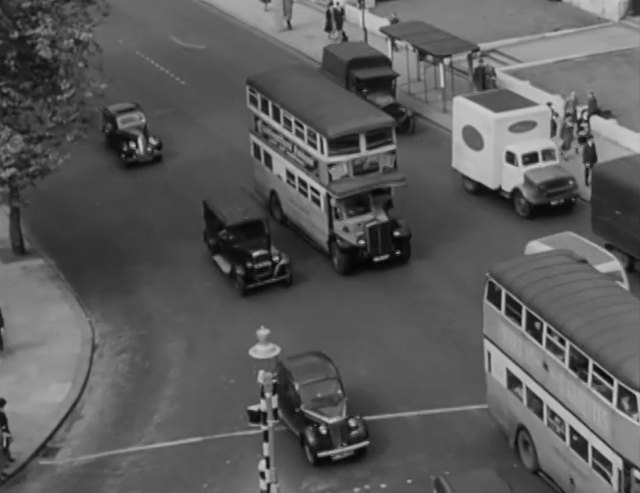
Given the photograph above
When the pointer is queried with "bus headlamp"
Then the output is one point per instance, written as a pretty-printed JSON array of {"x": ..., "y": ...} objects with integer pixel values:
[{"x": 361, "y": 241}]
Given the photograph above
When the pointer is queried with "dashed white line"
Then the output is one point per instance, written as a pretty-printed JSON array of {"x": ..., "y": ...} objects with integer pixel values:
[
  {"x": 160, "y": 67},
  {"x": 243, "y": 433}
]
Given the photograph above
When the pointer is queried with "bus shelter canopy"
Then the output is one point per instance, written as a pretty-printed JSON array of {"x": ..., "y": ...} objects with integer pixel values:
[{"x": 428, "y": 39}]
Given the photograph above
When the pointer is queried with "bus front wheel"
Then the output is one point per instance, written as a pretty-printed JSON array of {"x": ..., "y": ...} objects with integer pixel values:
[
  {"x": 527, "y": 451},
  {"x": 341, "y": 260},
  {"x": 275, "y": 209}
]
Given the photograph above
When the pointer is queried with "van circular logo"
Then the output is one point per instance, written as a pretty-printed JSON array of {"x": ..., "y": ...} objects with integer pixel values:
[
  {"x": 472, "y": 138},
  {"x": 522, "y": 127}
]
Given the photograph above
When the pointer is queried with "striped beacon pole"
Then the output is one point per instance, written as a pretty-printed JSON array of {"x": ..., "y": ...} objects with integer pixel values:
[{"x": 265, "y": 352}]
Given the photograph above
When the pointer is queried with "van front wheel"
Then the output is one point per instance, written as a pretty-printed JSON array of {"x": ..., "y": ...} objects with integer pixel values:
[{"x": 521, "y": 205}]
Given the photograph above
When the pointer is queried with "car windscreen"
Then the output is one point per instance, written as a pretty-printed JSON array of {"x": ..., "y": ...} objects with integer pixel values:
[
  {"x": 355, "y": 205},
  {"x": 530, "y": 158},
  {"x": 132, "y": 119},
  {"x": 324, "y": 389},
  {"x": 247, "y": 231}
]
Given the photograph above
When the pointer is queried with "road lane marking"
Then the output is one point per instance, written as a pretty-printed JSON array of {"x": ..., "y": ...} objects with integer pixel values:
[
  {"x": 160, "y": 67},
  {"x": 152, "y": 446},
  {"x": 185, "y": 44},
  {"x": 426, "y": 412},
  {"x": 243, "y": 433}
]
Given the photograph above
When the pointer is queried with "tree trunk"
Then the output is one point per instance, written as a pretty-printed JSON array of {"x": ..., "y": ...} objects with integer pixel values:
[{"x": 15, "y": 221}]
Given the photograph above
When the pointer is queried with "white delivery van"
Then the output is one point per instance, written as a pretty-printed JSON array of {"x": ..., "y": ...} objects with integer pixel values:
[
  {"x": 501, "y": 142},
  {"x": 602, "y": 260}
]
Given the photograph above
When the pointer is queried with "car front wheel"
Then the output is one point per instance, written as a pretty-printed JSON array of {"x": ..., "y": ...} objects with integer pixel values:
[{"x": 310, "y": 454}]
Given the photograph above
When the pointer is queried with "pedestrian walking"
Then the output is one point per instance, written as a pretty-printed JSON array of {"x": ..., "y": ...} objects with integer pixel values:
[
  {"x": 5, "y": 433},
  {"x": 589, "y": 159},
  {"x": 566, "y": 134},
  {"x": 393, "y": 18},
  {"x": 338, "y": 21},
  {"x": 287, "y": 10},
  {"x": 1, "y": 331},
  {"x": 554, "y": 120},
  {"x": 583, "y": 129},
  {"x": 480, "y": 75},
  {"x": 329, "y": 26},
  {"x": 571, "y": 105},
  {"x": 592, "y": 105},
  {"x": 491, "y": 77}
]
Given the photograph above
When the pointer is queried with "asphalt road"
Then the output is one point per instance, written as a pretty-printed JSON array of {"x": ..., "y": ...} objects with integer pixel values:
[{"x": 173, "y": 335}]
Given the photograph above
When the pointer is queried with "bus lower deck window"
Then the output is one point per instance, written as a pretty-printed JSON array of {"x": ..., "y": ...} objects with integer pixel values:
[
  {"x": 514, "y": 384},
  {"x": 535, "y": 404},
  {"x": 556, "y": 424},
  {"x": 601, "y": 465},
  {"x": 578, "y": 444}
]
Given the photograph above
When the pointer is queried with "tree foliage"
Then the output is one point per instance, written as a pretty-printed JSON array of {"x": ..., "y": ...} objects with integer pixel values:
[{"x": 49, "y": 75}]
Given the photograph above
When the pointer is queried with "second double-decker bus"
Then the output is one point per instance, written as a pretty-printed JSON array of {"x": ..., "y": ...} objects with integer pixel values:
[
  {"x": 325, "y": 162},
  {"x": 562, "y": 363}
]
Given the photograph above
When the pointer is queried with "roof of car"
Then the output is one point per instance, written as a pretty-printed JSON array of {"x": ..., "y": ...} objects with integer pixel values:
[
  {"x": 235, "y": 208},
  {"x": 568, "y": 240},
  {"x": 354, "y": 49},
  {"x": 590, "y": 310},
  {"x": 310, "y": 366},
  {"x": 123, "y": 107}
]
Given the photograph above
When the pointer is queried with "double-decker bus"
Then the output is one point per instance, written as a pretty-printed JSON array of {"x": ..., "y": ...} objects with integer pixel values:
[
  {"x": 562, "y": 363},
  {"x": 325, "y": 162}
]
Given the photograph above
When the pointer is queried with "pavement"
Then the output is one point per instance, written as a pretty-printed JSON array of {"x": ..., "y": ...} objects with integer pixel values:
[
  {"x": 164, "y": 405},
  {"x": 48, "y": 349}
]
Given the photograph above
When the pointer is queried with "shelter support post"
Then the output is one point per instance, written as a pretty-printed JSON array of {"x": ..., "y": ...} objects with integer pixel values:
[
  {"x": 453, "y": 80},
  {"x": 418, "y": 74},
  {"x": 424, "y": 78},
  {"x": 390, "y": 48},
  {"x": 442, "y": 85},
  {"x": 470, "y": 70},
  {"x": 408, "y": 56}
]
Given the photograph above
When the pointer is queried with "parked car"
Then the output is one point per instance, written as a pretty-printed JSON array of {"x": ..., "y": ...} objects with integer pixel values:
[
  {"x": 125, "y": 128},
  {"x": 313, "y": 405},
  {"x": 237, "y": 234},
  {"x": 602, "y": 260}
]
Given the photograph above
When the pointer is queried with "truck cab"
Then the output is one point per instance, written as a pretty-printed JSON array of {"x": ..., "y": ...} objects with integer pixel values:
[
  {"x": 365, "y": 71},
  {"x": 501, "y": 142}
]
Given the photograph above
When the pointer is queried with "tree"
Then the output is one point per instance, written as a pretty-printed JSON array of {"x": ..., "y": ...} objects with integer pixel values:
[{"x": 50, "y": 73}]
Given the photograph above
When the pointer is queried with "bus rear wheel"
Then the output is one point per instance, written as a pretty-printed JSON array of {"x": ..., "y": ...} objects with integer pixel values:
[
  {"x": 527, "y": 451},
  {"x": 275, "y": 209}
]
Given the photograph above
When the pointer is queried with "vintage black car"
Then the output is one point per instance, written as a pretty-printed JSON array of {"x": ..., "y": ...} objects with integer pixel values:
[
  {"x": 238, "y": 237},
  {"x": 313, "y": 405},
  {"x": 125, "y": 128}
]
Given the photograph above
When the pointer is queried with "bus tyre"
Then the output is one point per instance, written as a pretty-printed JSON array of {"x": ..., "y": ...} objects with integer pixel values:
[
  {"x": 275, "y": 209},
  {"x": 527, "y": 451},
  {"x": 341, "y": 259},
  {"x": 470, "y": 186},
  {"x": 521, "y": 205}
]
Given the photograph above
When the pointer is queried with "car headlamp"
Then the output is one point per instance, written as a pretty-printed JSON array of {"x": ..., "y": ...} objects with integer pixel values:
[
  {"x": 352, "y": 422},
  {"x": 153, "y": 140},
  {"x": 396, "y": 233},
  {"x": 276, "y": 257},
  {"x": 361, "y": 241},
  {"x": 322, "y": 429},
  {"x": 132, "y": 145},
  {"x": 572, "y": 181}
]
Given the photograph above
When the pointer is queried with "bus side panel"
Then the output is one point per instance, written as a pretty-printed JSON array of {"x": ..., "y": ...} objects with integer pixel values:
[
  {"x": 304, "y": 214},
  {"x": 555, "y": 458}
]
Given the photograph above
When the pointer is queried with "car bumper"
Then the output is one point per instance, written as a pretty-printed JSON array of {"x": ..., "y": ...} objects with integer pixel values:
[
  {"x": 281, "y": 273},
  {"x": 147, "y": 157},
  {"x": 342, "y": 452},
  {"x": 556, "y": 200}
]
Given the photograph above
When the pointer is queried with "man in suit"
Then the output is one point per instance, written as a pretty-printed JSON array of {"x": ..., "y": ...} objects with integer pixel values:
[{"x": 589, "y": 159}]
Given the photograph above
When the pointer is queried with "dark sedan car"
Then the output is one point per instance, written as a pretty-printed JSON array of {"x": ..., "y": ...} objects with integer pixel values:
[
  {"x": 313, "y": 405},
  {"x": 125, "y": 128}
]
